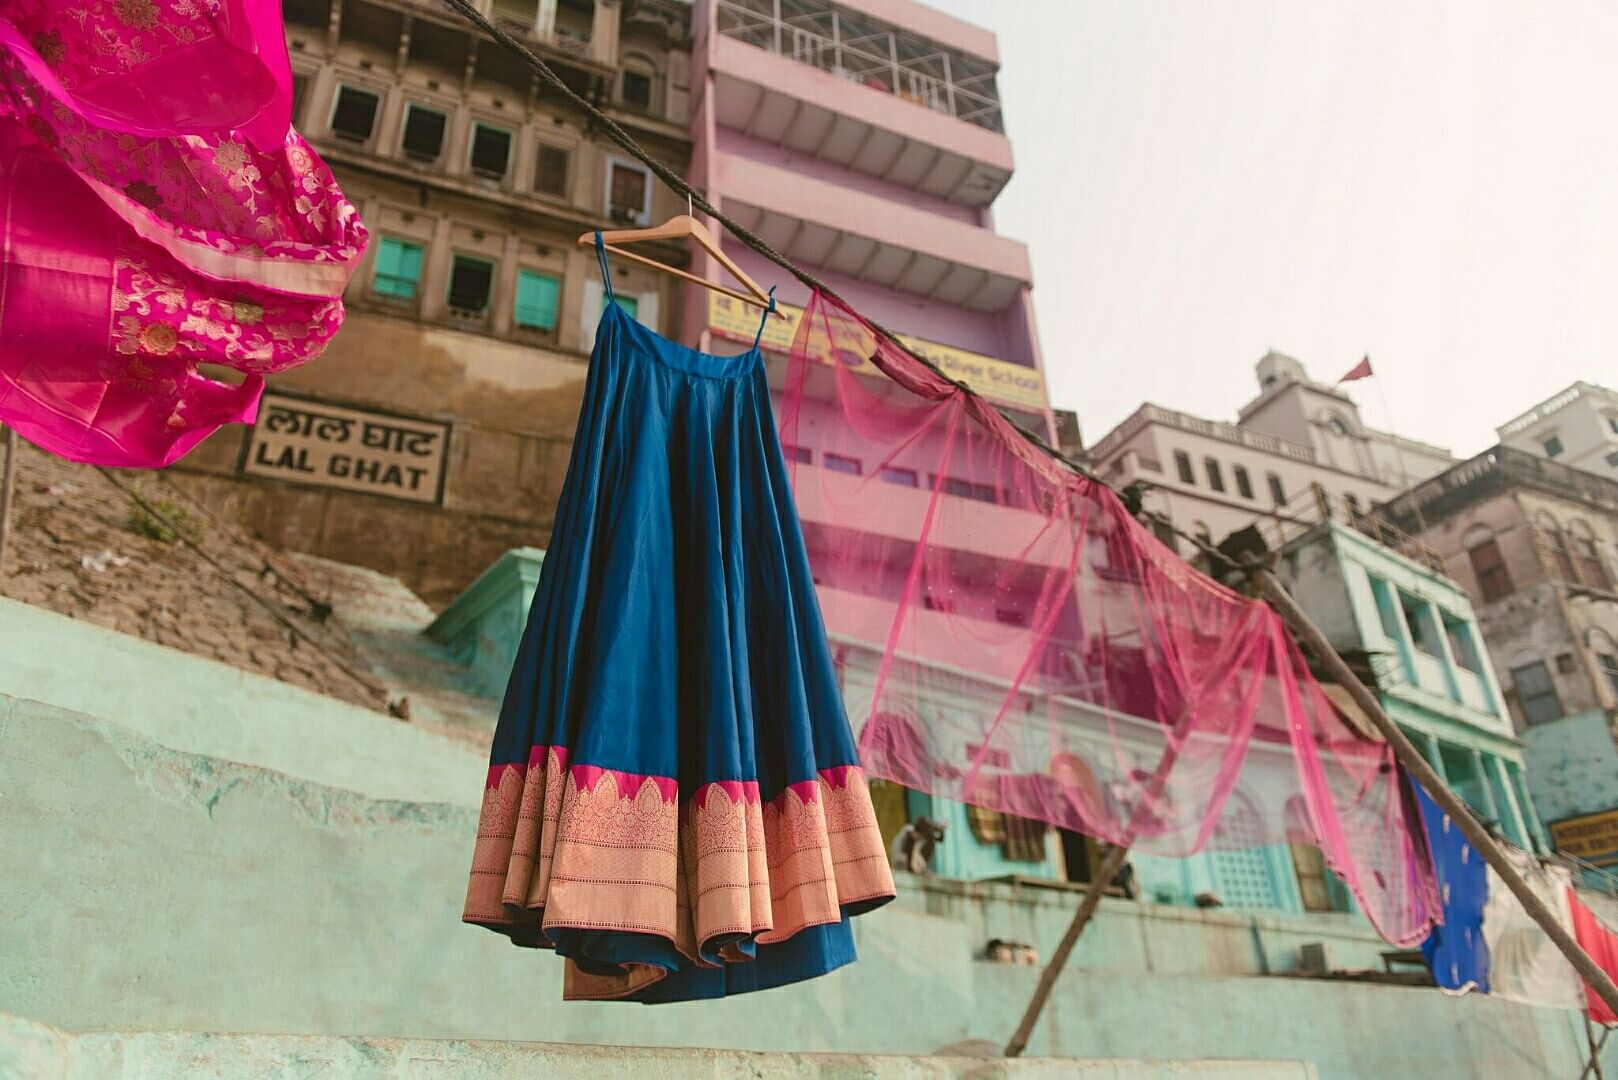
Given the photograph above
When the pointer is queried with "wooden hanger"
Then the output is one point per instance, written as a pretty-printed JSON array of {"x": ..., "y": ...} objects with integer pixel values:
[{"x": 681, "y": 227}]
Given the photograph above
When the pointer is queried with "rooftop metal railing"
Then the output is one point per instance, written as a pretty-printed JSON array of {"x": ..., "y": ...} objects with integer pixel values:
[{"x": 870, "y": 53}]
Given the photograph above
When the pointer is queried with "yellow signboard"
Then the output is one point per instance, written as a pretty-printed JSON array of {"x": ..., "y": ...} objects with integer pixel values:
[
  {"x": 1592, "y": 837},
  {"x": 1012, "y": 384}
]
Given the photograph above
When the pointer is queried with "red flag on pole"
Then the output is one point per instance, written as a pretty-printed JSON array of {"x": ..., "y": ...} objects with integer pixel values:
[{"x": 1360, "y": 370}]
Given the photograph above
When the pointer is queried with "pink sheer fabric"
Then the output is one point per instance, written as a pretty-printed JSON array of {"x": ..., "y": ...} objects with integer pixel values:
[
  {"x": 157, "y": 213},
  {"x": 1022, "y": 643}
]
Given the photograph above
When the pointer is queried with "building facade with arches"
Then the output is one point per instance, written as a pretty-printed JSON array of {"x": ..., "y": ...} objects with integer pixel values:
[{"x": 1536, "y": 544}]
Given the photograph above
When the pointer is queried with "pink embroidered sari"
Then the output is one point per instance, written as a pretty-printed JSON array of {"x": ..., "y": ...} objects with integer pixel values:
[{"x": 157, "y": 213}]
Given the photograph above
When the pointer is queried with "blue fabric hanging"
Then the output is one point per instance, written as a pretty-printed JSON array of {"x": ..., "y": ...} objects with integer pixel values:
[
  {"x": 1456, "y": 951},
  {"x": 674, "y": 799}
]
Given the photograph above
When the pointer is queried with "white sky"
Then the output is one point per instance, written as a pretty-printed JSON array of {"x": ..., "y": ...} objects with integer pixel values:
[{"x": 1432, "y": 183}]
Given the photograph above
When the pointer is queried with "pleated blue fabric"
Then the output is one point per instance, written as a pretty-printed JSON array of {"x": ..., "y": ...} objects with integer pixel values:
[{"x": 674, "y": 799}]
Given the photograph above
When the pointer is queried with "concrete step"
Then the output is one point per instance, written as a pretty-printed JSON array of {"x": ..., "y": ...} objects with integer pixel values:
[
  {"x": 31, "y": 1051},
  {"x": 216, "y": 852}
]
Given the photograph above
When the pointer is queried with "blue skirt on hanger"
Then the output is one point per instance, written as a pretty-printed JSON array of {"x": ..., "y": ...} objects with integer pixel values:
[{"x": 674, "y": 801}]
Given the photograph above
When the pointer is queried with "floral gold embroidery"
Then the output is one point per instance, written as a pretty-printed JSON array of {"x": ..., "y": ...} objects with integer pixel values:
[
  {"x": 141, "y": 14},
  {"x": 247, "y": 313},
  {"x": 42, "y": 130},
  {"x": 144, "y": 193},
  {"x": 230, "y": 157},
  {"x": 612, "y": 852},
  {"x": 159, "y": 339},
  {"x": 48, "y": 43}
]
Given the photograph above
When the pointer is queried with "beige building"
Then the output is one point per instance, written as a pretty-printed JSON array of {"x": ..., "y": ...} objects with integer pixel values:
[
  {"x": 1298, "y": 452},
  {"x": 1577, "y": 427},
  {"x": 435, "y": 431},
  {"x": 1536, "y": 544}
]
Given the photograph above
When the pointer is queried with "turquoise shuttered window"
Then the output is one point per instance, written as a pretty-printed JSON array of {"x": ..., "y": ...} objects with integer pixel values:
[
  {"x": 537, "y": 297},
  {"x": 398, "y": 268},
  {"x": 630, "y": 304}
]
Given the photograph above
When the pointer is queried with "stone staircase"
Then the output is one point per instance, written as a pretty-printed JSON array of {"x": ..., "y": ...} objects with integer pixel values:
[{"x": 30, "y": 1051}]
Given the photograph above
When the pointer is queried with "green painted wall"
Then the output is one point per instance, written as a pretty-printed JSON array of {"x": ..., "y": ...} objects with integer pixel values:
[
  {"x": 39, "y": 1052},
  {"x": 204, "y": 707},
  {"x": 247, "y": 900}
]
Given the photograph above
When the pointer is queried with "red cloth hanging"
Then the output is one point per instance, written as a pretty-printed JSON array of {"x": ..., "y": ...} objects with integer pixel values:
[{"x": 1602, "y": 945}]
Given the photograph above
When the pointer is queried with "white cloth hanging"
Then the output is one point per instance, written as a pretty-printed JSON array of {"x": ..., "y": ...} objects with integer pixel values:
[{"x": 1524, "y": 964}]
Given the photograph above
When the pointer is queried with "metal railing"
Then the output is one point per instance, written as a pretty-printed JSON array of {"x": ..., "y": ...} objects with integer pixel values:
[
  {"x": 1213, "y": 429},
  {"x": 1498, "y": 468},
  {"x": 559, "y": 29},
  {"x": 1312, "y": 505},
  {"x": 870, "y": 53}
]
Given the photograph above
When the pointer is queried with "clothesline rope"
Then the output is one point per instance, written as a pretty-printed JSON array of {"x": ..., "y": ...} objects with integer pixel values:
[
  {"x": 696, "y": 198},
  {"x": 294, "y": 631},
  {"x": 1255, "y": 570},
  {"x": 679, "y": 185}
]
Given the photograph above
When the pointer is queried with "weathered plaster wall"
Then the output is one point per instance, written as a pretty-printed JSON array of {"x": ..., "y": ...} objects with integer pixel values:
[
  {"x": 1503, "y": 515},
  {"x": 203, "y": 707},
  {"x": 253, "y": 901},
  {"x": 1573, "y": 765},
  {"x": 1531, "y": 625},
  {"x": 40, "y": 1052},
  {"x": 513, "y": 411},
  {"x": 1313, "y": 574}
]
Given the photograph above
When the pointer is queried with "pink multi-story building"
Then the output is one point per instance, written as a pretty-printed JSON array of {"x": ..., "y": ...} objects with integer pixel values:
[{"x": 865, "y": 141}]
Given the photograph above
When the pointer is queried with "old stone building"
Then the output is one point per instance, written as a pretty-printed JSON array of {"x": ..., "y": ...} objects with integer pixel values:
[
  {"x": 1536, "y": 544},
  {"x": 435, "y": 431}
]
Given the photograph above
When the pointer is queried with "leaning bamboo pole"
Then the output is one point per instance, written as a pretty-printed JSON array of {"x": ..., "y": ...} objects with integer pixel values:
[
  {"x": 1447, "y": 800},
  {"x": 1413, "y": 762},
  {"x": 8, "y": 483},
  {"x": 1109, "y": 868}
]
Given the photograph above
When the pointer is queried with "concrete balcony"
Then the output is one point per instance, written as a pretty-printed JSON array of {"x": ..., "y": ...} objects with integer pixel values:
[
  {"x": 898, "y": 139},
  {"x": 828, "y": 502},
  {"x": 872, "y": 238}
]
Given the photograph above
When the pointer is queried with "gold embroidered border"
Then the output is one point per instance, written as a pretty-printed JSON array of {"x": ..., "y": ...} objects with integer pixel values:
[{"x": 551, "y": 854}]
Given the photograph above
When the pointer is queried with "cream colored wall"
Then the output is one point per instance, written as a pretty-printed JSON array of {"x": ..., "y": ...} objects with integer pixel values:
[
  {"x": 1190, "y": 504},
  {"x": 1584, "y": 424}
]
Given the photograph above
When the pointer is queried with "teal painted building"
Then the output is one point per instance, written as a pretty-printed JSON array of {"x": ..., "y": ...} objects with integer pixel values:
[
  {"x": 180, "y": 792},
  {"x": 1414, "y": 628},
  {"x": 1413, "y": 631}
]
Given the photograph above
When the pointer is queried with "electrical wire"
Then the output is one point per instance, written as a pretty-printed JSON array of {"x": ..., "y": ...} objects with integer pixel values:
[
  {"x": 273, "y": 610},
  {"x": 678, "y": 183}
]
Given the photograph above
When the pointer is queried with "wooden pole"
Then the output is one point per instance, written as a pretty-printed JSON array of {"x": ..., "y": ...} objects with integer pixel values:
[
  {"x": 1110, "y": 866},
  {"x": 7, "y": 486},
  {"x": 1594, "y": 1064},
  {"x": 1412, "y": 760},
  {"x": 1092, "y": 898}
]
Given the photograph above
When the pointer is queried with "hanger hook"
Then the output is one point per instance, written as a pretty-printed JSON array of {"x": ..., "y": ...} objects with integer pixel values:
[{"x": 688, "y": 212}]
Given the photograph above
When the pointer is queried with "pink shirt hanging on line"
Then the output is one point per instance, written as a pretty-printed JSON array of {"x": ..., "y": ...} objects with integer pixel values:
[{"x": 157, "y": 213}]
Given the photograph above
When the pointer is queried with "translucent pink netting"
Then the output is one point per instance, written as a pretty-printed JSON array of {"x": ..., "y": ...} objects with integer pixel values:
[
  {"x": 157, "y": 213},
  {"x": 1025, "y": 645}
]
